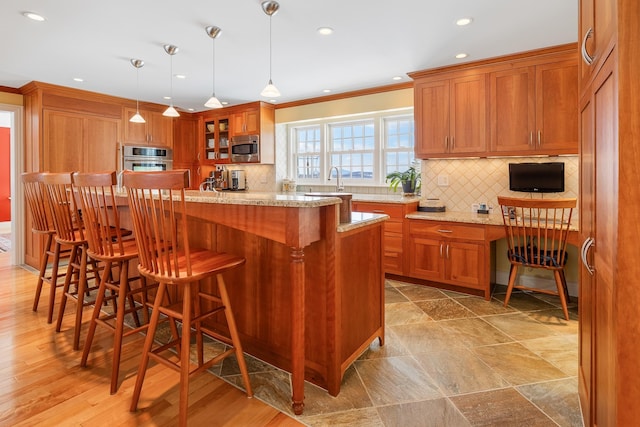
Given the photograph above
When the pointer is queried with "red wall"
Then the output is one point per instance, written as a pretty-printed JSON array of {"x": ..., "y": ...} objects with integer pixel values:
[{"x": 5, "y": 174}]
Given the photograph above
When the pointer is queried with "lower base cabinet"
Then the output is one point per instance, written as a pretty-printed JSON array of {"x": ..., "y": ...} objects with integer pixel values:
[
  {"x": 393, "y": 259},
  {"x": 447, "y": 252}
]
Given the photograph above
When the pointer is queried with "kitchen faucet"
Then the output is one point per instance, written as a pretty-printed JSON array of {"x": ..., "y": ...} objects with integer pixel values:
[{"x": 339, "y": 184}]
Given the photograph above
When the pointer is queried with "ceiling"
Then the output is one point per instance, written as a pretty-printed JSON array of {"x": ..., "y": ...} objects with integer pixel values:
[{"x": 373, "y": 41}]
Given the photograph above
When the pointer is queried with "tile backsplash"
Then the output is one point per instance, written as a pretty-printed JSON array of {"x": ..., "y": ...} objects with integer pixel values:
[{"x": 482, "y": 180}]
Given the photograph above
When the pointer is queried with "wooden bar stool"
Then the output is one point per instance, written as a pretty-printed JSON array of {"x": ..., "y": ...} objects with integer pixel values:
[
  {"x": 70, "y": 233},
  {"x": 108, "y": 245},
  {"x": 158, "y": 208},
  {"x": 41, "y": 224}
]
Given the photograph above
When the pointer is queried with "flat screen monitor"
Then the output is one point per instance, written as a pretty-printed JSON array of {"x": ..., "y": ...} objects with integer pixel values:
[{"x": 537, "y": 177}]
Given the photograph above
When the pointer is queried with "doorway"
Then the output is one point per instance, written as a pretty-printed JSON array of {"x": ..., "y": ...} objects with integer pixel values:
[{"x": 11, "y": 208}]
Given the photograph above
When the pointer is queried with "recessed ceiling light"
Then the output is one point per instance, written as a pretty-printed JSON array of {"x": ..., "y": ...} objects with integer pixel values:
[
  {"x": 397, "y": 78},
  {"x": 180, "y": 76},
  {"x": 273, "y": 101},
  {"x": 78, "y": 79},
  {"x": 326, "y": 90},
  {"x": 190, "y": 109},
  {"x": 224, "y": 102},
  {"x": 461, "y": 55},
  {"x": 34, "y": 16},
  {"x": 325, "y": 31},
  {"x": 464, "y": 21},
  {"x": 166, "y": 97}
]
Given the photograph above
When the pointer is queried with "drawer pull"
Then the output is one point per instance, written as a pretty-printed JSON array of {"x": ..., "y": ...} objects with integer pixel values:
[{"x": 445, "y": 231}]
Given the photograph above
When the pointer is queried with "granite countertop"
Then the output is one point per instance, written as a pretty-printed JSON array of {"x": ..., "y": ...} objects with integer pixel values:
[
  {"x": 294, "y": 200},
  {"x": 385, "y": 198},
  {"x": 466, "y": 217},
  {"x": 299, "y": 200},
  {"x": 361, "y": 219}
]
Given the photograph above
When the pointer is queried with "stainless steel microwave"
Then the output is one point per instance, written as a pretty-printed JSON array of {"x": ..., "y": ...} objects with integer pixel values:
[{"x": 245, "y": 149}]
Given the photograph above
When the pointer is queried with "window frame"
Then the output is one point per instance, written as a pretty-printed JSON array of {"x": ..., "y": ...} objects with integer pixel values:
[{"x": 324, "y": 125}]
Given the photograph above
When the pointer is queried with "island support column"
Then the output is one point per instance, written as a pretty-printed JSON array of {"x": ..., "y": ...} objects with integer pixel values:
[{"x": 297, "y": 329}]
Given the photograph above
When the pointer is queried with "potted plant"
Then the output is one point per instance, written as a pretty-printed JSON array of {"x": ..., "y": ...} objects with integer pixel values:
[{"x": 410, "y": 180}]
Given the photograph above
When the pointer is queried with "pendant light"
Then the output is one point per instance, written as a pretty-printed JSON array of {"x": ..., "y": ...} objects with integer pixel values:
[
  {"x": 137, "y": 118},
  {"x": 270, "y": 7},
  {"x": 170, "y": 111},
  {"x": 213, "y": 32}
]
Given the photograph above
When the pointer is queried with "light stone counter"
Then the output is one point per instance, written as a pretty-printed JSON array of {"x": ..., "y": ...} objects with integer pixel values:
[
  {"x": 293, "y": 200},
  {"x": 385, "y": 198},
  {"x": 466, "y": 217}
]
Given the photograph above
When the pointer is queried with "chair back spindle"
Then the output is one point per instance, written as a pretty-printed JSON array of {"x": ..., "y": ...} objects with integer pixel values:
[{"x": 158, "y": 209}]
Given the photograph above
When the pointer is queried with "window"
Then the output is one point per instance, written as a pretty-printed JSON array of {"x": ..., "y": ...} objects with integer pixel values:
[{"x": 365, "y": 148}]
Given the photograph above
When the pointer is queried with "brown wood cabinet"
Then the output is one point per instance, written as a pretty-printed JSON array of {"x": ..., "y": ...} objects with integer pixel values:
[
  {"x": 597, "y": 35},
  {"x": 522, "y": 104},
  {"x": 609, "y": 328},
  {"x": 255, "y": 118},
  {"x": 216, "y": 140},
  {"x": 447, "y": 252},
  {"x": 186, "y": 147},
  {"x": 156, "y": 131},
  {"x": 450, "y": 116},
  {"x": 394, "y": 242},
  {"x": 533, "y": 109},
  {"x": 246, "y": 122}
]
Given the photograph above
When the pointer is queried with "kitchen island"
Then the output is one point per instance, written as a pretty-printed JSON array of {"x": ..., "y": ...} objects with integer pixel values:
[{"x": 310, "y": 298}]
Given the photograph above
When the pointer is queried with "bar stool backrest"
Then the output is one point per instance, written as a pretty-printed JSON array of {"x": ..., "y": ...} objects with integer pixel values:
[
  {"x": 35, "y": 194},
  {"x": 64, "y": 209},
  {"x": 157, "y": 205},
  {"x": 100, "y": 217}
]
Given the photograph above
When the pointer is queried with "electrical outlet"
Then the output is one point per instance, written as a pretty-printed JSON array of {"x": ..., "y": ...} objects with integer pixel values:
[{"x": 443, "y": 180}]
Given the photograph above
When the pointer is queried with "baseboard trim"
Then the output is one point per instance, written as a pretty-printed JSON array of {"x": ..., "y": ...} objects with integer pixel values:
[{"x": 502, "y": 278}]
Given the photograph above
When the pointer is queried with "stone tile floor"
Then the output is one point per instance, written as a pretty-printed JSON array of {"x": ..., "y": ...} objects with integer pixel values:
[{"x": 449, "y": 360}]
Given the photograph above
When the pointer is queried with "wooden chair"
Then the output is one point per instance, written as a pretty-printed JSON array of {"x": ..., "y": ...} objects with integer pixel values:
[
  {"x": 41, "y": 224},
  {"x": 107, "y": 243},
  {"x": 537, "y": 232},
  {"x": 70, "y": 233},
  {"x": 158, "y": 207}
]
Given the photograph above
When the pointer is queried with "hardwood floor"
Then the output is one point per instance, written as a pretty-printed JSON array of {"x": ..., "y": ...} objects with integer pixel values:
[{"x": 41, "y": 382}]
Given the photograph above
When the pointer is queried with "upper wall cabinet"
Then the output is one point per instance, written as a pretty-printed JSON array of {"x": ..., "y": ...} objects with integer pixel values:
[
  {"x": 520, "y": 104},
  {"x": 450, "y": 116},
  {"x": 246, "y": 122},
  {"x": 533, "y": 109},
  {"x": 156, "y": 131}
]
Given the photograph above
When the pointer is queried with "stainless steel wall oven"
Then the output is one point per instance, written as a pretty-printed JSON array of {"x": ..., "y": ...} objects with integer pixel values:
[{"x": 144, "y": 158}]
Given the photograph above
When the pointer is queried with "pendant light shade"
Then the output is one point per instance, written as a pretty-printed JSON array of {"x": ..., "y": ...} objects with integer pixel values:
[
  {"x": 137, "y": 118},
  {"x": 213, "y": 102},
  {"x": 171, "y": 111},
  {"x": 270, "y": 7}
]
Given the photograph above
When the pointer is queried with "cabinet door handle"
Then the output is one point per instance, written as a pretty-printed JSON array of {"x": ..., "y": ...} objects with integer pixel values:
[
  {"x": 446, "y": 144},
  {"x": 539, "y": 138},
  {"x": 530, "y": 139},
  {"x": 440, "y": 250},
  {"x": 447, "y": 251},
  {"x": 584, "y": 251},
  {"x": 588, "y": 59},
  {"x": 198, "y": 156},
  {"x": 445, "y": 231}
]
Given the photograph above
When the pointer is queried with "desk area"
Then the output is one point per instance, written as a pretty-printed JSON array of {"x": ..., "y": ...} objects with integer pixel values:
[{"x": 454, "y": 250}]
